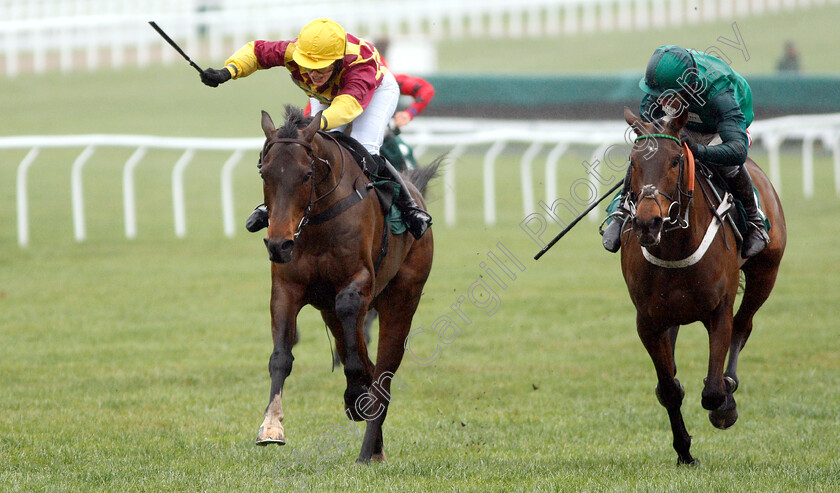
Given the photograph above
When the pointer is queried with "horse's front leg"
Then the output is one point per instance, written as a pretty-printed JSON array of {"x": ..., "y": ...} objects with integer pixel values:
[
  {"x": 351, "y": 306},
  {"x": 717, "y": 392},
  {"x": 669, "y": 391},
  {"x": 286, "y": 302}
]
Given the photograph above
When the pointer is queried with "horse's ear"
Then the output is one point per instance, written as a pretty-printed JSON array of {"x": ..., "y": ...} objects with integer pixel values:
[
  {"x": 267, "y": 125},
  {"x": 634, "y": 121},
  {"x": 678, "y": 122},
  {"x": 308, "y": 132}
]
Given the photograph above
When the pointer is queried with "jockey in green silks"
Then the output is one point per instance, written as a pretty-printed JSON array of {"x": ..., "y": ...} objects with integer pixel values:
[{"x": 719, "y": 105}]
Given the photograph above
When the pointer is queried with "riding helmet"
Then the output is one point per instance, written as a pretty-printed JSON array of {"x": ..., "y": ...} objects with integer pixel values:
[
  {"x": 666, "y": 68},
  {"x": 320, "y": 43}
]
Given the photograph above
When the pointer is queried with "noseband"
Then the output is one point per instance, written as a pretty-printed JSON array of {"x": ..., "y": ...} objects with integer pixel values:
[
  {"x": 312, "y": 200},
  {"x": 677, "y": 217}
]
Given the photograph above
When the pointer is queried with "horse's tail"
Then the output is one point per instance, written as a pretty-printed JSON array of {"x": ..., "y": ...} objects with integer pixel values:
[{"x": 420, "y": 177}]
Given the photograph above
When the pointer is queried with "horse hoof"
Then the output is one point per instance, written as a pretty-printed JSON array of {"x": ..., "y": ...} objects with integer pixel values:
[
  {"x": 723, "y": 420},
  {"x": 378, "y": 457},
  {"x": 690, "y": 462},
  {"x": 269, "y": 435},
  {"x": 726, "y": 415},
  {"x": 351, "y": 396}
]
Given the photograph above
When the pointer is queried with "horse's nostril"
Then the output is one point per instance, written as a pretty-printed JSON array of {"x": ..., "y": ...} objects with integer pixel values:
[
  {"x": 265, "y": 240},
  {"x": 287, "y": 245}
]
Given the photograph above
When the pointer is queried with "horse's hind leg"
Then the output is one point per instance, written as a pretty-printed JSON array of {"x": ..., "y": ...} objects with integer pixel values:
[
  {"x": 717, "y": 395},
  {"x": 397, "y": 305},
  {"x": 760, "y": 277},
  {"x": 370, "y": 318},
  {"x": 668, "y": 390}
]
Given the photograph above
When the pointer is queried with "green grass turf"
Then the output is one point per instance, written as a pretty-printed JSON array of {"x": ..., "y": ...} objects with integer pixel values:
[{"x": 141, "y": 365}]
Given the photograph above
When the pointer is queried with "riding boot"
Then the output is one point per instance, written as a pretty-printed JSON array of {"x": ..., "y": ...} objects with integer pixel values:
[
  {"x": 741, "y": 185},
  {"x": 258, "y": 219},
  {"x": 612, "y": 233},
  {"x": 416, "y": 219}
]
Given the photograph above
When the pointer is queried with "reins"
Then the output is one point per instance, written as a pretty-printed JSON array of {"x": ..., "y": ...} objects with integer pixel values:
[
  {"x": 680, "y": 219},
  {"x": 649, "y": 191}
]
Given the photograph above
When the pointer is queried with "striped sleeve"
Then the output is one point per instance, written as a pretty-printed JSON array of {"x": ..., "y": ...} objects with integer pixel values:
[
  {"x": 343, "y": 110},
  {"x": 419, "y": 89},
  {"x": 244, "y": 62}
]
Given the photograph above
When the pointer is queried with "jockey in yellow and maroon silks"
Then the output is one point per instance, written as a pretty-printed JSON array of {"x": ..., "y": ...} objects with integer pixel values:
[
  {"x": 348, "y": 92},
  {"x": 345, "y": 81}
]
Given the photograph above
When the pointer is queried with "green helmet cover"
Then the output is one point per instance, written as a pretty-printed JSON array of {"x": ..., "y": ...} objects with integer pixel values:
[{"x": 665, "y": 69}]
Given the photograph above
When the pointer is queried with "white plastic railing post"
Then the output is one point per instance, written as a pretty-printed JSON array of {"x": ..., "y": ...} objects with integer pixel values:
[
  {"x": 490, "y": 182},
  {"x": 597, "y": 156},
  {"x": 178, "y": 192},
  {"x": 228, "y": 216},
  {"x": 527, "y": 177},
  {"x": 676, "y": 12},
  {"x": 449, "y": 199},
  {"x": 12, "y": 66},
  {"x": 808, "y": 166},
  {"x": 773, "y": 144},
  {"x": 570, "y": 18},
  {"x": 835, "y": 150},
  {"x": 129, "y": 204},
  {"x": 23, "y": 197},
  {"x": 551, "y": 171},
  {"x": 78, "y": 193}
]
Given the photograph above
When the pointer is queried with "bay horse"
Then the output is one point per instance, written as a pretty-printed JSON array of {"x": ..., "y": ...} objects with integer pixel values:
[
  {"x": 326, "y": 229},
  {"x": 673, "y": 281}
]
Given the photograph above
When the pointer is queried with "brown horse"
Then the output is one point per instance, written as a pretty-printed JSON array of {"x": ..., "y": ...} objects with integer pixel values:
[
  {"x": 325, "y": 233},
  {"x": 673, "y": 280}
]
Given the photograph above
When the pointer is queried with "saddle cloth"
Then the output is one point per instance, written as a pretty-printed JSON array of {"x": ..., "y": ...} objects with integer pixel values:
[{"x": 387, "y": 189}]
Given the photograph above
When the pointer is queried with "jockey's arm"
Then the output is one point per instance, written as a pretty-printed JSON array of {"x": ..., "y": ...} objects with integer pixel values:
[
  {"x": 419, "y": 89},
  {"x": 257, "y": 55},
  {"x": 731, "y": 127}
]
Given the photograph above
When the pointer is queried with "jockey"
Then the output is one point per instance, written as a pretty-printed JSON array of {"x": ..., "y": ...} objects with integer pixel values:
[
  {"x": 345, "y": 82},
  {"x": 719, "y": 105},
  {"x": 422, "y": 92}
]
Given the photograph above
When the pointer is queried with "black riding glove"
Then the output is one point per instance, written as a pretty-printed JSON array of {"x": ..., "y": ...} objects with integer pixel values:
[
  {"x": 694, "y": 147},
  {"x": 213, "y": 77}
]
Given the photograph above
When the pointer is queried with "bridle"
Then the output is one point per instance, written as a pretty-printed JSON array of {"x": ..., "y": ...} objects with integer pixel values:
[
  {"x": 312, "y": 199},
  {"x": 677, "y": 217}
]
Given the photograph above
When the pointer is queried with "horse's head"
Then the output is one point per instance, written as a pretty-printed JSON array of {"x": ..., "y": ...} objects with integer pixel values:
[
  {"x": 290, "y": 173},
  {"x": 656, "y": 172}
]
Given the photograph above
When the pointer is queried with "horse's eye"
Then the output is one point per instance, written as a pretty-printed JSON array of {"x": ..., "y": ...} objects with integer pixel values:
[
  {"x": 307, "y": 176},
  {"x": 676, "y": 162}
]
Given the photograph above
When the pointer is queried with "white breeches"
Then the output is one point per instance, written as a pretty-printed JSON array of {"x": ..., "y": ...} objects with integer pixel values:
[{"x": 369, "y": 127}]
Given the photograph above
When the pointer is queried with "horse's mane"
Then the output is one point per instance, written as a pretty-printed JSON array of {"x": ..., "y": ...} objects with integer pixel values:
[{"x": 294, "y": 122}]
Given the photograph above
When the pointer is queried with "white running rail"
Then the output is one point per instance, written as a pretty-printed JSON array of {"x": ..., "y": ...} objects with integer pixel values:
[{"x": 549, "y": 138}]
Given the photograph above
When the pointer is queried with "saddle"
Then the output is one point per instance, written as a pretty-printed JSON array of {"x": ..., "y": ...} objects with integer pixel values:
[
  {"x": 386, "y": 189},
  {"x": 719, "y": 188}
]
